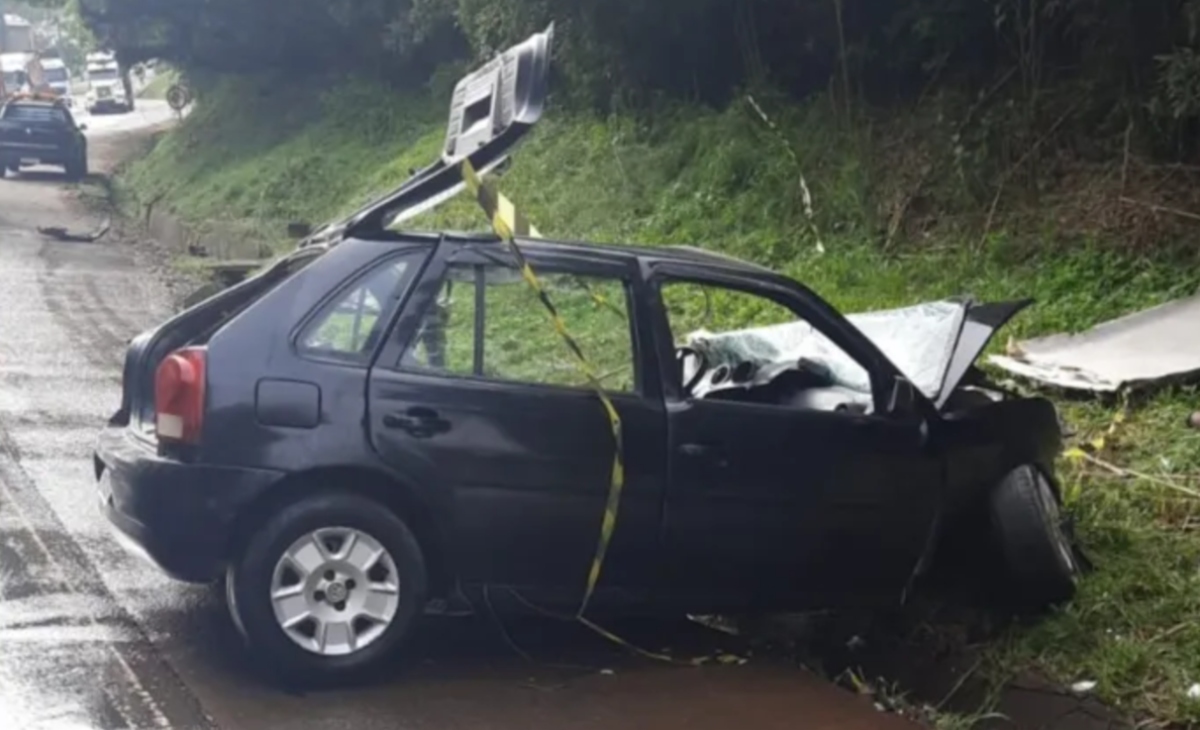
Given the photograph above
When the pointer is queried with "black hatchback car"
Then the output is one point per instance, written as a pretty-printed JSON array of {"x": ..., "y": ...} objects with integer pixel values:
[
  {"x": 37, "y": 130},
  {"x": 381, "y": 420}
]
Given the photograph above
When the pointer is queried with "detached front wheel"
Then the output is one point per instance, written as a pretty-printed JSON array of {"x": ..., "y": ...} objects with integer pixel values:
[
  {"x": 327, "y": 589},
  {"x": 1028, "y": 525}
]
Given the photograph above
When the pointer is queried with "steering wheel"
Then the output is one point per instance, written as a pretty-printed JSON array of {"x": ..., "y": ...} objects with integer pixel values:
[{"x": 681, "y": 356}]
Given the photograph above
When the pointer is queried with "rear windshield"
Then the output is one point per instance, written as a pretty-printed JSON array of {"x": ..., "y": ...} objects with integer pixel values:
[
  {"x": 34, "y": 113},
  {"x": 56, "y": 75}
]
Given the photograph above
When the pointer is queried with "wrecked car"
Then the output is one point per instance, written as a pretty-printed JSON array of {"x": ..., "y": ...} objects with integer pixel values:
[
  {"x": 36, "y": 130},
  {"x": 384, "y": 419}
]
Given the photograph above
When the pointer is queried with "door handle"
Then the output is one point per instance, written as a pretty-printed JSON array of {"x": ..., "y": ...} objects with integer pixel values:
[{"x": 417, "y": 421}]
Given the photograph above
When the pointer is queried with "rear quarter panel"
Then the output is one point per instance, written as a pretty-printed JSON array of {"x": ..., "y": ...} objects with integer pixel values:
[{"x": 257, "y": 344}]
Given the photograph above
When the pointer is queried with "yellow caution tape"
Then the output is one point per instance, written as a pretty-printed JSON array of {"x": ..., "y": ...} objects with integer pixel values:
[{"x": 509, "y": 223}]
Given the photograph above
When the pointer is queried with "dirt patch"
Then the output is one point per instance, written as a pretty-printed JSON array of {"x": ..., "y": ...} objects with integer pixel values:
[{"x": 106, "y": 153}]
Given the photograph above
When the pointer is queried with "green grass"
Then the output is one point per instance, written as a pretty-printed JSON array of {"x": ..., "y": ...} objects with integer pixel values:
[{"x": 718, "y": 179}]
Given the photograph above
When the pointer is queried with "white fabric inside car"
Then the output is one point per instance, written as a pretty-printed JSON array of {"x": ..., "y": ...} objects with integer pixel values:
[{"x": 919, "y": 340}]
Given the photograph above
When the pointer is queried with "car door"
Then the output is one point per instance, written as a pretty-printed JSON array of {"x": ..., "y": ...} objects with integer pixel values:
[
  {"x": 486, "y": 394},
  {"x": 794, "y": 506}
]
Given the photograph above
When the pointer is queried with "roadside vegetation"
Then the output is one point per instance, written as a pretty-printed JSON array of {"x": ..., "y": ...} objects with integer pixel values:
[{"x": 883, "y": 153}]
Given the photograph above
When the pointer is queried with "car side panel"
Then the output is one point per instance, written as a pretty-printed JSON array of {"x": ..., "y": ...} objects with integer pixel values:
[
  {"x": 529, "y": 465},
  {"x": 773, "y": 507},
  {"x": 256, "y": 348}
]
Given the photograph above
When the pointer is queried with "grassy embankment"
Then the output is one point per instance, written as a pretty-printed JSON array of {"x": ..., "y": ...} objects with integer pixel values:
[{"x": 719, "y": 179}]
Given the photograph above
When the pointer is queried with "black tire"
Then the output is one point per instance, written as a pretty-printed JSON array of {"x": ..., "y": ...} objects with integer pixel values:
[
  {"x": 249, "y": 585},
  {"x": 1037, "y": 554},
  {"x": 78, "y": 169}
]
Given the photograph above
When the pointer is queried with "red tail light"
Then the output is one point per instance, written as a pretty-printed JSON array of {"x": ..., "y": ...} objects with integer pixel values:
[{"x": 179, "y": 396}]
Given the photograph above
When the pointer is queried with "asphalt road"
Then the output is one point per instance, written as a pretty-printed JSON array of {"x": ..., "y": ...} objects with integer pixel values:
[{"x": 90, "y": 637}]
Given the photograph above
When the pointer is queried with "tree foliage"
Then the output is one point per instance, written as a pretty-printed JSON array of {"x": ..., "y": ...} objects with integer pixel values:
[
  {"x": 1118, "y": 57},
  {"x": 248, "y": 36}
]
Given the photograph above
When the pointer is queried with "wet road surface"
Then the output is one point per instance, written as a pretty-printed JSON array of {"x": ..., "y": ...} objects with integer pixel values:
[{"x": 91, "y": 637}]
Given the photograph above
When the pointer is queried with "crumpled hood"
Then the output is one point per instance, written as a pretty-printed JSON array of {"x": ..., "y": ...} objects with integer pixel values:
[{"x": 932, "y": 344}]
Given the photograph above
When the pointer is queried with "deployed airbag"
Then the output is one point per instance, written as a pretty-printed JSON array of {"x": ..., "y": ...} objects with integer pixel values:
[{"x": 919, "y": 340}]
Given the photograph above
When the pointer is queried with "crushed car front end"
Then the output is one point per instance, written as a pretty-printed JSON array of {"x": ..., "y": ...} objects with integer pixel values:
[{"x": 999, "y": 495}]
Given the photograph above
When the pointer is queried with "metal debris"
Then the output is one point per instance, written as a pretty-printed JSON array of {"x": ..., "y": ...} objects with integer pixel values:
[
  {"x": 62, "y": 234},
  {"x": 1084, "y": 687},
  {"x": 1139, "y": 349}
]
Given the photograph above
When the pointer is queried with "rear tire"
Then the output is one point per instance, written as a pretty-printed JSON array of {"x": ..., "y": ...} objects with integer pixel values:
[
  {"x": 77, "y": 170},
  {"x": 314, "y": 552},
  {"x": 1028, "y": 527}
]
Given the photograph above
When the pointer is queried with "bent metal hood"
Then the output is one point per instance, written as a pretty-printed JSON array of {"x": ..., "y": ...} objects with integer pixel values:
[{"x": 933, "y": 344}]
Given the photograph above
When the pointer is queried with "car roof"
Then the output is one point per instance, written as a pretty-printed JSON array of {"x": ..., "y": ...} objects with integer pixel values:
[
  {"x": 47, "y": 103},
  {"x": 667, "y": 253}
]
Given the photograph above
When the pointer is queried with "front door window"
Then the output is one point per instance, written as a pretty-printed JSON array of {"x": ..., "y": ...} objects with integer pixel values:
[{"x": 732, "y": 341}]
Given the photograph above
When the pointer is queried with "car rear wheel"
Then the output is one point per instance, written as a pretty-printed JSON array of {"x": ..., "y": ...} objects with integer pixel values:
[
  {"x": 1028, "y": 525},
  {"x": 327, "y": 589},
  {"x": 78, "y": 169}
]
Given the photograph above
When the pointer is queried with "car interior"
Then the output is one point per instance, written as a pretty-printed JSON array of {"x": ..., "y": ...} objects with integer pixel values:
[{"x": 736, "y": 346}]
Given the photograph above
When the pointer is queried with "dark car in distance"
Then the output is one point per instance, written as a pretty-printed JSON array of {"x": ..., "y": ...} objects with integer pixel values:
[
  {"x": 41, "y": 131},
  {"x": 382, "y": 419}
]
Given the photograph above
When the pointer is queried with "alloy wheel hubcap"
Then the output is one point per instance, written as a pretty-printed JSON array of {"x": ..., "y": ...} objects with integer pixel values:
[
  {"x": 335, "y": 591},
  {"x": 1054, "y": 525}
]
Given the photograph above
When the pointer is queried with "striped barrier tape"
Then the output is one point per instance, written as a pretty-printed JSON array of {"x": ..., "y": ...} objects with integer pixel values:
[{"x": 509, "y": 224}]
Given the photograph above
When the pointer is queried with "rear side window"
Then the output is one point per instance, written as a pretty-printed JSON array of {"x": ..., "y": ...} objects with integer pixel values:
[
  {"x": 350, "y": 326},
  {"x": 487, "y": 323},
  {"x": 226, "y": 305},
  {"x": 34, "y": 113}
]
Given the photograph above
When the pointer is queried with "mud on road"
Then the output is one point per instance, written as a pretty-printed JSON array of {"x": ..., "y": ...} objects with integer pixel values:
[{"x": 91, "y": 637}]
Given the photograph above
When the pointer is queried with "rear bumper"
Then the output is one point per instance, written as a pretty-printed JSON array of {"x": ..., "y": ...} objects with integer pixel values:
[
  {"x": 179, "y": 516},
  {"x": 14, "y": 154}
]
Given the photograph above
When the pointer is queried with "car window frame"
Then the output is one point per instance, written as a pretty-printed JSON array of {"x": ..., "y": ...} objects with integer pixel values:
[
  {"x": 624, "y": 271},
  {"x": 803, "y": 304},
  {"x": 347, "y": 286}
]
